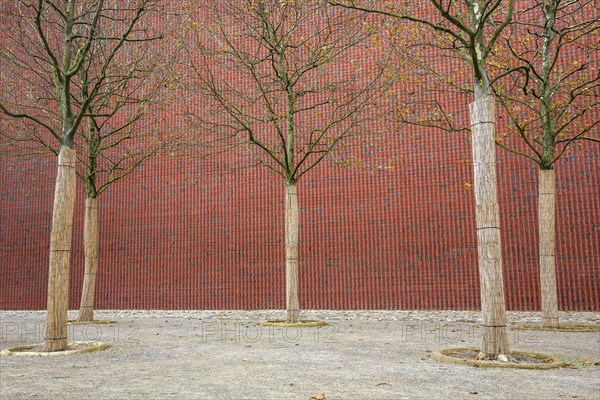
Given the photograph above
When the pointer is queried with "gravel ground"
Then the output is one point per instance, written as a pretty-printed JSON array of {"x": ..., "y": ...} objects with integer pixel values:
[{"x": 228, "y": 355}]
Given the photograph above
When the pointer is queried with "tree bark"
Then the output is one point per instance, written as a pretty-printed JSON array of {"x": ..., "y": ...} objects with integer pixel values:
[
  {"x": 60, "y": 252},
  {"x": 291, "y": 252},
  {"x": 495, "y": 341},
  {"x": 547, "y": 228},
  {"x": 90, "y": 241}
]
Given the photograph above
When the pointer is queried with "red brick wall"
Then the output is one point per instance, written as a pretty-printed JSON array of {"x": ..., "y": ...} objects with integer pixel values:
[{"x": 179, "y": 234}]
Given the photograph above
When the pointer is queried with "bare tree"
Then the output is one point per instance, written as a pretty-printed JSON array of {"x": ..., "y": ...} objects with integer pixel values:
[
  {"x": 470, "y": 30},
  {"x": 550, "y": 90},
  {"x": 47, "y": 45},
  {"x": 287, "y": 80},
  {"x": 125, "y": 125},
  {"x": 120, "y": 134}
]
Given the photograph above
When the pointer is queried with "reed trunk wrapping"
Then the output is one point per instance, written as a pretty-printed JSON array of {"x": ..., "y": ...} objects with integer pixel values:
[
  {"x": 60, "y": 251},
  {"x": 495, "y": 341},
  {"x": 291, "y": 253},
  {"x": 90, "y": 241},
  {"x": 547, "y": 229}
]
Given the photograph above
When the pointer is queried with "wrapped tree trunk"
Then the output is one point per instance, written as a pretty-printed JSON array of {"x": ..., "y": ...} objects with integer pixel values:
[
  {"x": 291, "y": 253},
  {"x": 60, "y": 252},
  {"x": 495, "y": 342},
  {"x": 90, "y": 241},
  {"x": 547, "y": 229}
]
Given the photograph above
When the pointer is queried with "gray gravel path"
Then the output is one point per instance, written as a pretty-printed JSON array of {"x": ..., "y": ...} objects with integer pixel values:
[{"x": 228, "y": 355}]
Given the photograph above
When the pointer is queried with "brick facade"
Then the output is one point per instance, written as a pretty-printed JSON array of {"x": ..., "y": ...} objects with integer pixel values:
[{"x": 183, "y": 234}]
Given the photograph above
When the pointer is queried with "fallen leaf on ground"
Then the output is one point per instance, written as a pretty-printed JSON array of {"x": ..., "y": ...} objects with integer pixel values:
[
  {"x": 473, "y": 392},
  {"x": 320, "y": 396}
]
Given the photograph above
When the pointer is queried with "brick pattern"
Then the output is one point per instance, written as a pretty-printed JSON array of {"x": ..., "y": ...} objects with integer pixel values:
[{"x": 183, "y": 234}]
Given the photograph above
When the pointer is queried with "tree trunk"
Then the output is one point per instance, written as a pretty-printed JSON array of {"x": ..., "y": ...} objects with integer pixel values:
[
  {"x": 547, "y": 224},
  {"x": 495, "y": 341},
  {"x": 60, "y": 252},
  {"x": 291, "y": 253},
  {"x": 90, "y": 242}
]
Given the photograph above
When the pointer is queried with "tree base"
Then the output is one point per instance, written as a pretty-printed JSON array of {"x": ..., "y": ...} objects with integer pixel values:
[
  {"x": 307, "y": 323},
  {"x": 56, "y": 345},
  {"x": 495, "y": 357},
  {"x": 517, "y": 359},
  {"x": 560, "y": 328},
  {"x": 37, "y": 350},
  {"x": 85, "y": 315},
  {"x": 92, "y": 322},
  {"x": 550, "y": 322}
]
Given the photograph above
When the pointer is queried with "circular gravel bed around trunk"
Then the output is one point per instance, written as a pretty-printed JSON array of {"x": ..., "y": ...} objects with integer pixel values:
[
  {"x": 93, "y": 322},
  {"x": 307, "y": 323},
  {"x": 561, "y": 328},
  {"x": 522, "y": 360},
  {"x": 37, "y": 349}
]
